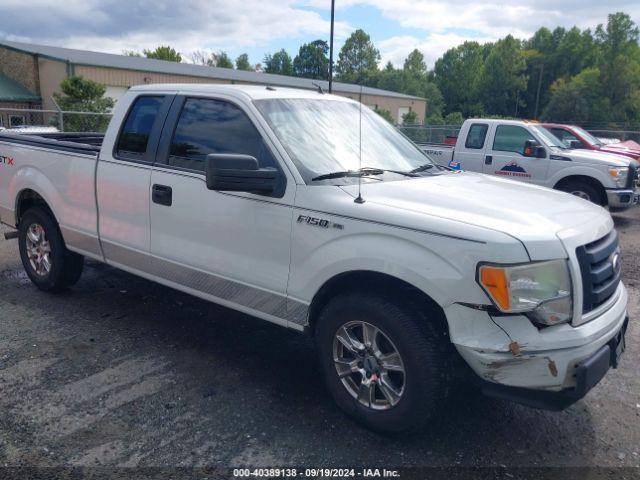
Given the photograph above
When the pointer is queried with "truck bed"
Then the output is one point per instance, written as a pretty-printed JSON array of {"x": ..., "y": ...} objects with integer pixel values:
[{"x": 83, "y": 143}]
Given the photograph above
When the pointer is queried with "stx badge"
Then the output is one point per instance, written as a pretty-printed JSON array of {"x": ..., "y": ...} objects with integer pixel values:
[{"x": 6, "y": 160}]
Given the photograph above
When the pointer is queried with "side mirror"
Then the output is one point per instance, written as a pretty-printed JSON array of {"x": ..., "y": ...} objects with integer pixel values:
[
  {"x": 575, "y": 144},
  {"x": 533, "y": 149},
  {"x": 229, "y": 172}
]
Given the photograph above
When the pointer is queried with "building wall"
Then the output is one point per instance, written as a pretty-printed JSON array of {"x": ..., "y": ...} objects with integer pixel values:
[
  {"x": 21, "y": 67},
  {"x": 52, "y": 72}
]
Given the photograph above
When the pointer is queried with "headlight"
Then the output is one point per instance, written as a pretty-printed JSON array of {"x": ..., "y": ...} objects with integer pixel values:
[
  {"x": 542, "y": 290},
  {"x": 619, "y": 175}
]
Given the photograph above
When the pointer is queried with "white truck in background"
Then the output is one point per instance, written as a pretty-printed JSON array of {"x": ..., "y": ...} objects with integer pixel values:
[
  {"x": 305, "y": 210},
  {"x": 528, "y": 152}
]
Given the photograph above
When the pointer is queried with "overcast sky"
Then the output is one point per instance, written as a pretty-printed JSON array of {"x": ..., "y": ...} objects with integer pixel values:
[{"x": 263, "y": 26}]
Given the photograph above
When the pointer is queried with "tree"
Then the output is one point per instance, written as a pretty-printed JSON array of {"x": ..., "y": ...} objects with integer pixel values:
[
  {"x": 242, "y": 62},
  {"x": 386, "y": 114},
  {"x": 414, "y": 64},
  {"x": 80, "y": 95},
  {"x": 503, "y": 78},
  {"x": 312, "y": 61},
  {"x": 578, "y": 100},
  {"x": 358, "y": 59},
  {"x": 410, "y": 118},
  {"x": 278, "y": 63},
  {"x": 131, "y": 53},
  {"x": 163, "y": 53},
  {"x": 200, "y": 57},
  {"x": 457, "y": 74},
  {"x": 221, "y": 60}
]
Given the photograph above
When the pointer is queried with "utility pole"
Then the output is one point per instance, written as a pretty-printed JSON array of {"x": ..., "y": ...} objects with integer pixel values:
[
  {"x": 535, "y": 113},
  {"x": 333, "y": 9}
]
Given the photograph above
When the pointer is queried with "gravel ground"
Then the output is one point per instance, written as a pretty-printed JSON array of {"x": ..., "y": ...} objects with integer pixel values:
[{"x": 124, "y": 372}]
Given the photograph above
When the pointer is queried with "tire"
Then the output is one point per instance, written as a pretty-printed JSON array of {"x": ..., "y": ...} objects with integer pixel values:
[
  {"x": 424, "y": 356},
  {"x": 48, "y": 263},
  {"x": 583, "y": 190}
]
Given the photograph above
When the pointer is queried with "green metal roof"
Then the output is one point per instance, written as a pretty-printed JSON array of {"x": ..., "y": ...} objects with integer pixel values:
[{"x": 12, "y": 91}]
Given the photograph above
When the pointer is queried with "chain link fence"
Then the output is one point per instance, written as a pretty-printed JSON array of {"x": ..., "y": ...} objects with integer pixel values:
[{"x": 64, "y": 121}]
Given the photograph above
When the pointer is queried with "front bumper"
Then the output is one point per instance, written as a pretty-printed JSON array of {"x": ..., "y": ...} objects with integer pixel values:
[
  {"x": 588, "y": 374},
  {"x": 514, "y": 359},
  {"x": 622, "y": 199}
]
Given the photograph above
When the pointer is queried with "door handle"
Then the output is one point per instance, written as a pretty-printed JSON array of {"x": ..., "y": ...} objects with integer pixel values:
[
  {"x": 488, "y": 160},
  {"x": 162, "y": 195}
]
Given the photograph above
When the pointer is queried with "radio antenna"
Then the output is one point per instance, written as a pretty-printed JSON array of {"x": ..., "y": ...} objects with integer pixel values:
[{"x": 359, "y": 199}]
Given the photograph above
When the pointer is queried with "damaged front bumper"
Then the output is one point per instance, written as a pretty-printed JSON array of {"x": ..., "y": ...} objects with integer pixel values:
[{"x": 545, "y": 368}]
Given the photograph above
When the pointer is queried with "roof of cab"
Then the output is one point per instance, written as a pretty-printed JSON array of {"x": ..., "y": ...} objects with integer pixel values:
[{"x": 251, "y": 92}]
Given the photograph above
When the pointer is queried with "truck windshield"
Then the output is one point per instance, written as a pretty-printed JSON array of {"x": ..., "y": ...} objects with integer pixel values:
[
  {"x": 323, "y": 137},
  {"x": 588, "y": 137},
  {"x": 549, "y": 139}
]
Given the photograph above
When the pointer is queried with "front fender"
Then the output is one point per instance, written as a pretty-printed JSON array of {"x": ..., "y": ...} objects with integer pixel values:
[{"x": 582, "y": 170}]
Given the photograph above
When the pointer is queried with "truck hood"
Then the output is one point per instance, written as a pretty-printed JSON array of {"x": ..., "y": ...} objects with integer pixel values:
[
  {"x": 596, "y": 156},
  {"x": 628, "y": 148},
  {"x": 534, "y": 215}
]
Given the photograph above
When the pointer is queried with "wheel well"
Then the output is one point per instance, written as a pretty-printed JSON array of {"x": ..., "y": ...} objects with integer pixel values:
[
  {"x": 27, "y": 199},
  {"x": 382, "y": 284},
  {"x": 584, "y": 179}
]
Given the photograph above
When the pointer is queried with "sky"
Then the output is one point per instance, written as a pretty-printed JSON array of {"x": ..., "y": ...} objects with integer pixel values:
[{"x": 258, "y": 27}]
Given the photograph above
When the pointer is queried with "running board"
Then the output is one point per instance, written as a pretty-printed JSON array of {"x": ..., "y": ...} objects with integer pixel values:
[{"x": 11, "y": 235}]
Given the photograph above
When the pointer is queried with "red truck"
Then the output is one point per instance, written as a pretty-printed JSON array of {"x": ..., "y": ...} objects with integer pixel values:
[{"x": 576, "y": 137}]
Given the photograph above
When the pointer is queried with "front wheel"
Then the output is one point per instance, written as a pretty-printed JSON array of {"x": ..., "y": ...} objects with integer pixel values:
[
  {"x": 48, "y": 263},
  {"x": 383, "y": 365},
  {"x": 584, "y": 190}
]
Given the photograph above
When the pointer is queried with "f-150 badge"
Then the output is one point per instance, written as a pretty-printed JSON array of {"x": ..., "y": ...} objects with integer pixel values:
[{"x": 319, "y": 222}]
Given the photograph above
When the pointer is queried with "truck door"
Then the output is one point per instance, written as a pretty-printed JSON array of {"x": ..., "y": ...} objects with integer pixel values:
[
  {"x": 231, "y": 247},
  {"x": 469, "y": 152},
  {"x": 506, "y": 156},
  {"x": 123, "y": 176}
]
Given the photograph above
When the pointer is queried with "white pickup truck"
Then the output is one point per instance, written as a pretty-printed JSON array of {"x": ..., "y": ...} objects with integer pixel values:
[
  {"x": 304, "y": 210},
  {"x": 528, "y": 152}
]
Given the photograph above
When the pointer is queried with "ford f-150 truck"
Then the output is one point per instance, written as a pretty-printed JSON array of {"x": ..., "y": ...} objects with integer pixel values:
[
  {"x": 310, "y": 211},
  {"x": 576, "y": 137},
  {"x": 528, "y": 152}
]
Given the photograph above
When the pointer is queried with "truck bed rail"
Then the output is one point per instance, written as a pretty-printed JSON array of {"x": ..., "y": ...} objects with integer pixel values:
[{"x": 79, "y": 143}]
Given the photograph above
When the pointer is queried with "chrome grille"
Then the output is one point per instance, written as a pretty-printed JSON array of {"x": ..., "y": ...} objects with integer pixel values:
[{"x": 600, "y": 269}]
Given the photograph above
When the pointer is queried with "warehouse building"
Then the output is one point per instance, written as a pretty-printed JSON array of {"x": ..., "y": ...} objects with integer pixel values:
[{"x": 30, "y": 74}]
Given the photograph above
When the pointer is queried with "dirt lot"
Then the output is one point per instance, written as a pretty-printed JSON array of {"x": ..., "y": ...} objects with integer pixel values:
[{"x": 124, "y": 372}]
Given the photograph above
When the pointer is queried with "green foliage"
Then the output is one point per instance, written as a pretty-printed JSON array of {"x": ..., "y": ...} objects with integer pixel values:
[
  {"x": 163, "y": 53},
  {"x": 80, "y": 95},
  {"x": 410, "y": 118},
  {"x": 279, "y": 63},
  {"x": 386, "y": 114},
  {"x": 312, "y": 61},
  {"x": 358, "y": 59},
  {"x": 503, "y": 77},
  {"x": 458, "y": 74},
  {"x": 242, "y": 62},
  {"x": 221, "y": 60}
]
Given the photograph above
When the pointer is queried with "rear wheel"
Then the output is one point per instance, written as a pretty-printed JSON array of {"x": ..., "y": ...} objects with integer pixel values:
[
  {"x": 382, "y": 365},
  {"x": 583, "y": 190},
  {"x": 48, "y": 263}
]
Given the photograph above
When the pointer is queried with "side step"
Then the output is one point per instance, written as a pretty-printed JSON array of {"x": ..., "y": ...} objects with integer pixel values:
[{"x": 11, "y": 235}]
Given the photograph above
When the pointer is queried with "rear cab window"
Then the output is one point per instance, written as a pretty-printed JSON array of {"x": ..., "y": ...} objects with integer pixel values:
[
  {"x": 476, "y": 136},
  {"x": 135, "y": 139}
]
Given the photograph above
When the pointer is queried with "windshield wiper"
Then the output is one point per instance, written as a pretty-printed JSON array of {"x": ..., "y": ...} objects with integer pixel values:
[
  {"x": 422, "y": 168},
  {"x": 359, "y": 173}
]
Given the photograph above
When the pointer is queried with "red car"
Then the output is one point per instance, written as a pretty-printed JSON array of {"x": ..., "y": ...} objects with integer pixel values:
[{"x": 576, "y": 137}]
